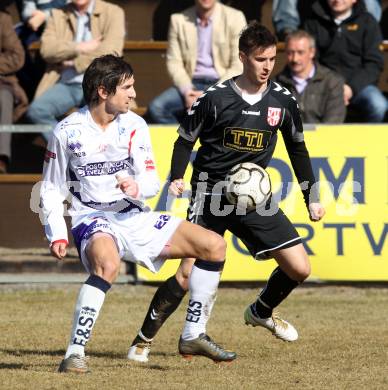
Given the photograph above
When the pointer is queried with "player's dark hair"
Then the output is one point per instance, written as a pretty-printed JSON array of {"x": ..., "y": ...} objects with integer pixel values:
[
  {"x": 107, "y": 71},
  {"x": 255, "y": 35}
]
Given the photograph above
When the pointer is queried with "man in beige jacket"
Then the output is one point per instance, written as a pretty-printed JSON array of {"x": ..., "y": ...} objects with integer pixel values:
[
  {"x": 202, "y": 49},
  {"x": 73, "y": 37}
]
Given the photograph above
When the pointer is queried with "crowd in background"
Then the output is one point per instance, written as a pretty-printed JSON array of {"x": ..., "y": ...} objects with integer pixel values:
[{"x": 333, "y": 56}]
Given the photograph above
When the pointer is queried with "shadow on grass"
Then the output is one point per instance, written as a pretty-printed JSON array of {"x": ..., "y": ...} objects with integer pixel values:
[
  {"x": 19, "y": 352},
  {"x": 155, "y": 367},
  {"x": 11, "y": 366},
  {"x": 61, "y": 353}
]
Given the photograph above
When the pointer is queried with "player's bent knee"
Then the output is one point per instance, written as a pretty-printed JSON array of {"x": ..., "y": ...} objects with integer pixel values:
[
  {"x": 302, "y": 272},
  {"x": 108, "y": 270}
]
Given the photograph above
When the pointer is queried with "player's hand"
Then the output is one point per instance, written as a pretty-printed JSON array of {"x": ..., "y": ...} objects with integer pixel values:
[
  {"x": 348, "y": 94},
  {"x": 36, "y": 20},
  {"x": 129, "y": 186},
  {"x": 191, "y": 96},
  {"x": 58, "y": 249},
  {"x": 176, "y": 187},
  {"x": 317, "y": 211}
]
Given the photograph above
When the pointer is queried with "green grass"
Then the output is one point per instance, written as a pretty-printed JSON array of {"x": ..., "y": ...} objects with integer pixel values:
[{"x": 343, "y": 342}]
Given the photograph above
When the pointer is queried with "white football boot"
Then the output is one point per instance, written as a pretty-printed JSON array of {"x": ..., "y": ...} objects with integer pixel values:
[
  {"x": 140, "y": 349},
  {"x": 280, "y": 328}
]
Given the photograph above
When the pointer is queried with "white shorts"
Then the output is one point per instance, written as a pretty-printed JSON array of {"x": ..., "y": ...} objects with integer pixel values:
[{"x": 140, "y": 237}]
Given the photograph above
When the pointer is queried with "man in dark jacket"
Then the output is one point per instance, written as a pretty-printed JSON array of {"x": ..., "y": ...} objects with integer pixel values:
[
  {"x": 348, "y": 40},
  {"x": 318, "y": 90}
]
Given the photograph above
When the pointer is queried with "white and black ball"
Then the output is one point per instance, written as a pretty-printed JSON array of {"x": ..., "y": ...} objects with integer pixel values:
[{"x": 247, "y": 186}]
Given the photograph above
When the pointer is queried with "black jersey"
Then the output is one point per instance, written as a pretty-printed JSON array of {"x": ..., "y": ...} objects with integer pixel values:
[{"x": 232, "y": 131}]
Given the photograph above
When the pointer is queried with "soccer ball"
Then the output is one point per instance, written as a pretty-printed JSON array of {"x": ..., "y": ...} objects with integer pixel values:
[{"x": 247, "y": 186}]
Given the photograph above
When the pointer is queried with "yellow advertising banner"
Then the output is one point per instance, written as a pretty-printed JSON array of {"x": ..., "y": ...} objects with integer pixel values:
[{"x": 350, "y": 243}]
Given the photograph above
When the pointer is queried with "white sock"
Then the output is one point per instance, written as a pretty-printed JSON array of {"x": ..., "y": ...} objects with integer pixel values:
[
  {"x": 89, "y": 303},
  {"x": 203, "y": 286}
]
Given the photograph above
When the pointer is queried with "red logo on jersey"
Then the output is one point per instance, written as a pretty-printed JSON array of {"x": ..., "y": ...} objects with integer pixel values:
[
  {"x": 273, "y": 117},
  {"x": 49, "y": 155},
  {"x": 130, "y": 141}
]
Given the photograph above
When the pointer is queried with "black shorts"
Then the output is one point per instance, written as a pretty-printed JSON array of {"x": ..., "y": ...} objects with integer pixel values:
[{"x": 261, "y": 230}]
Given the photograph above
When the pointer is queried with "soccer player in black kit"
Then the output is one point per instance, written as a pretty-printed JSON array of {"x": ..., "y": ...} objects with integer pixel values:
[{"x": 237, "y": 121}]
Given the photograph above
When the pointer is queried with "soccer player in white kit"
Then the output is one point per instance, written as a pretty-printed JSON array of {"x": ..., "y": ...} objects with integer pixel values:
[{"x": 102, "y": 156}]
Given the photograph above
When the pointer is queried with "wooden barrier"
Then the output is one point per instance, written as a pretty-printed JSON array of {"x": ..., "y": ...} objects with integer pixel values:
[{"x": 19, "y": 227}]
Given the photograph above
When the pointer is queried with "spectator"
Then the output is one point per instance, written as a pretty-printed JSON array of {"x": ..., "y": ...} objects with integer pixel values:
[
  {"x": 317, "y": 89},
  {"x": 13, "y": 100},
  {"x": 348, "y": 40},
  {"x": 34, "y": 14},
  {"x": 202, "y": 49},
  {"x": 286, "y": 14},
  {"x": 165, "y": 8},
  {"x": 73, "y": 37}
]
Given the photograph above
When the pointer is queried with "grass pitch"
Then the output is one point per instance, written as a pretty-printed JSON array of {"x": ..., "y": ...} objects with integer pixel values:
[{"x": 343, "y": 342}]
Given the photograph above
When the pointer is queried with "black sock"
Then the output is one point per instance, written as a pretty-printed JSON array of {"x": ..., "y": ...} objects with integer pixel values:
[
  {"x": 165, "y": 301},
  {"x": 278, "y": 288}
]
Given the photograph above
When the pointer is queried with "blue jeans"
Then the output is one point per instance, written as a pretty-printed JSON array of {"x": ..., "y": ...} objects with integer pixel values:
[
  {"x": 169, "y": 106},
  {"x": 285, "y": 15},
  {"x": 372, "y": 104},
  {"x": 374, "y": 8},
  {"x": 54, "y": 103}
]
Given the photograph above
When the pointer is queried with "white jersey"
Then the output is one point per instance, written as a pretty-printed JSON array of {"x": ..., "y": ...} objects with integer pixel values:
[{"x": 82, "y": 159}]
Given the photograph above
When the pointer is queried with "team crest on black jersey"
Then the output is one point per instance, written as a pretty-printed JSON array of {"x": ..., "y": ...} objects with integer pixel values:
[
  {"x": 273, "y": 116},
  {"x": 246, "y": 140}
]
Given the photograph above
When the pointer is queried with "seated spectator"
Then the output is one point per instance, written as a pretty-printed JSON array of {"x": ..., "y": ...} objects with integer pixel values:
[
  {"x": 73, "y": 37},
  {"x": 317, "y": 89},
  {"x": 165, "y": 8},
  {"x": 202, "y": 49},
  {"x": 34, "y": 14},
  {"x": 13, "y": 100},
  {"x": 348, "y": 40},
  {"x": 287, "y": 17}
]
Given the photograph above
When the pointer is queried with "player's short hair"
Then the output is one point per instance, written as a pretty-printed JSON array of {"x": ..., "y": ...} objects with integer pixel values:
[
  {"x": 300, "y": 34},
  {"x": 107, "y": 71},
  {"x": 255, "y": 35}
]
